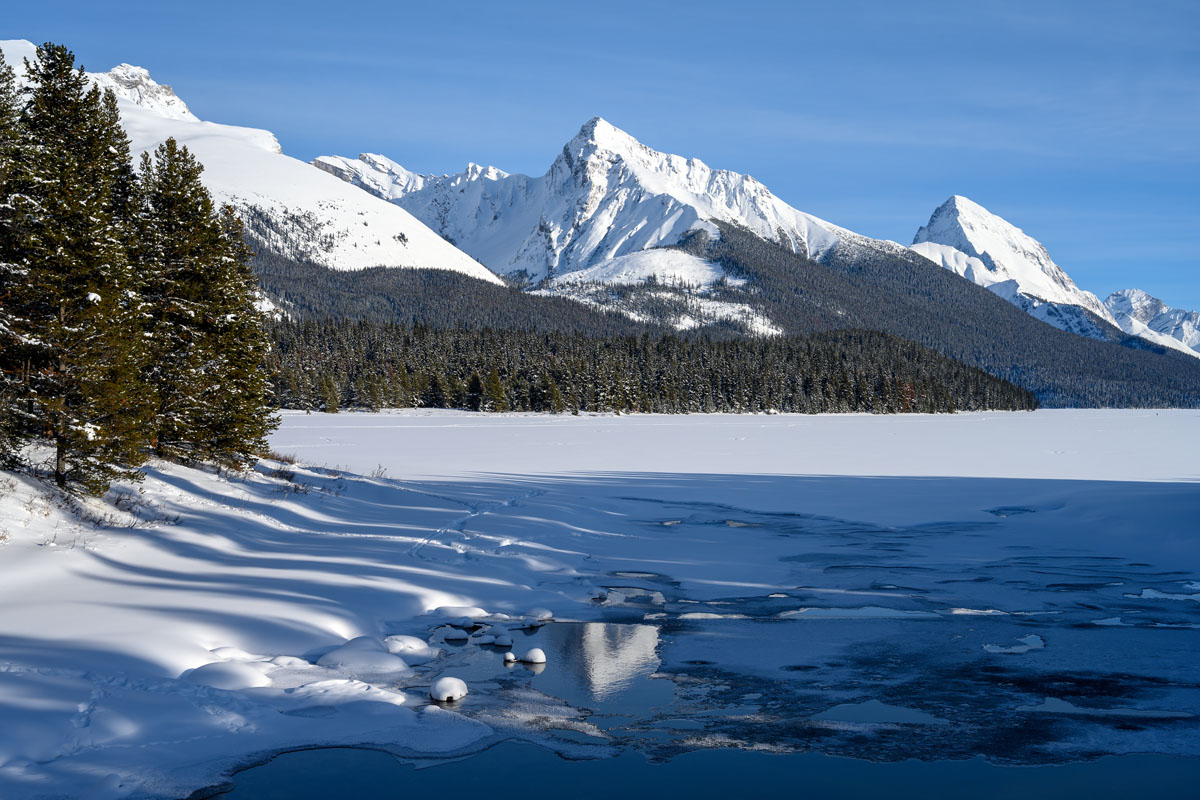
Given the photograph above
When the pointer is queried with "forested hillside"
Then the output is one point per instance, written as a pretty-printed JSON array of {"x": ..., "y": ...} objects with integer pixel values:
[
  {"x": 439, "y": 298},
  {"x": 327, "y": 365},
  {"x": 909, "y": 296}
]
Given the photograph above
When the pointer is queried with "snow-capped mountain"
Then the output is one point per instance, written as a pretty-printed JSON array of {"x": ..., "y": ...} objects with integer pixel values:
[
  {"x": 1150, "y": 318},
  {"x": 967, "y": 239},
  {"x": 606, "y": 195},
  {"x": 289, "y": 208}
]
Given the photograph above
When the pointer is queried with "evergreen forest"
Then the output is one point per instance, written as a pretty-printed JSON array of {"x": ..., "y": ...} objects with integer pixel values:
[
  {"x": 330, "y": 365},
  {"x": 128, "y": 324}
]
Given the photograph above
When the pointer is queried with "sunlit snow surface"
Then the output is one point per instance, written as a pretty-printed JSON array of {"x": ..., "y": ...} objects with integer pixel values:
[{"x": 1021, "y": 587}]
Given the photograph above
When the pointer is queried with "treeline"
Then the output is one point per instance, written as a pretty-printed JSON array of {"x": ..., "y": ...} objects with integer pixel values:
[
  {"x": 127, "y": 316},
  {"x": 338, "y": 364}
]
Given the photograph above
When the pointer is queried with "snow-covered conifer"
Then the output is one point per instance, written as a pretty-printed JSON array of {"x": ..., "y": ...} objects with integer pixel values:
[
  {"x": 205, "y": 333},
  {"x": 73, "y": 333}
]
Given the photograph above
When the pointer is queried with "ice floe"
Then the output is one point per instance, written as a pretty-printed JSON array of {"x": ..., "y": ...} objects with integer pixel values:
[{"x": 1027, "y": 643}]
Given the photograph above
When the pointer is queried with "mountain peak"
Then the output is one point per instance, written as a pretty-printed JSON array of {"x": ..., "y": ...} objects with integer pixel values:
[
  {"x": 1143, "y": 314},
  {"x": 600, "y": 134},
  {"x": 996, "y": 253},
  {"x": 960, "y": 217},
  {"x": 1136, "y": 303},
  {"x": 135, "y": 85}
]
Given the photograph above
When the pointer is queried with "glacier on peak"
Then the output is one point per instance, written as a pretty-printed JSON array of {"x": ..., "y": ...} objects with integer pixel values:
[
  {"x": 604, "y": 196},
  {"x": 967, "y": 239},
  {"x": 290, "y": 209}
]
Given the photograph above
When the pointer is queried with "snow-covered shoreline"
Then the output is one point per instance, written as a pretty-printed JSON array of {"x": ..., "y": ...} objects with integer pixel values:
[{"x": 410, "y": 517}]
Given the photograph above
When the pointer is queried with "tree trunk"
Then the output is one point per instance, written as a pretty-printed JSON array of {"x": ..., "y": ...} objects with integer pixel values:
[{"x": 60, "y": 461}]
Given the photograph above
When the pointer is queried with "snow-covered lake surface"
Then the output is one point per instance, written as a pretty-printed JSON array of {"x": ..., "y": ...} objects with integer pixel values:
[{"x": 987, "y": 589}]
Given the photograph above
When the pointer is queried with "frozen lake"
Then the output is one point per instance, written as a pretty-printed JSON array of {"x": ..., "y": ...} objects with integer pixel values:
[
  {"x": 1010, "y": 599},
  {"x": 1021, "y": 587}
]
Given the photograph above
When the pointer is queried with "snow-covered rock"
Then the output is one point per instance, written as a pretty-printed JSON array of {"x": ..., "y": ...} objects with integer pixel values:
[
  {"x": 1143, "y": 315},
  {"x": 534, "y": 655},
  {"x": 967, "y": 239},
  {"x": 411, "y": 648},
  {"x": 289, "y": 208},
  {"x": 446, "y": 689},
  {"x": 606, "y": 195}
]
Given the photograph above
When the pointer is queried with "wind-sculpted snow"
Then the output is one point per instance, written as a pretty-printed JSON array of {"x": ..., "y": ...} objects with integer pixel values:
[
  {"x": 606, "y": 195},
  {"x": 290, "y": 208},
  {"x": 983, "y": 569}
]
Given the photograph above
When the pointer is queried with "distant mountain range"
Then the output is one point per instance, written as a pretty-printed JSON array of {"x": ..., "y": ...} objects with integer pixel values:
[
  {"x": 666, "y": 241},
  {"x": 607, "y": 200},
  {"x": 1152, "y": 319}
]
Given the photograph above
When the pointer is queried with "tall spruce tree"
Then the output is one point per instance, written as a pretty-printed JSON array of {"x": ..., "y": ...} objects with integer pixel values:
[
  {"x": 241, "y": 403},
  {"x": 205, "y": 335},
  {"x": 73, "y": 317},
  {"x": 10, "y": 273}
]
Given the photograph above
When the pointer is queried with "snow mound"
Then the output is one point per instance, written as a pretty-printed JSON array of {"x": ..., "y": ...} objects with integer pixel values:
[
  {"x": 365, "y": 656},
  {"x": 232, "y": 675},
  {"x": 447, "y": 689}
]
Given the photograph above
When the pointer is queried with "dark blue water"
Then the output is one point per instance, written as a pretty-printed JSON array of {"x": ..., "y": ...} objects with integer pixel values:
[
  {"x": 528, "y": 771},
  {"x": 614, "y": 672}
]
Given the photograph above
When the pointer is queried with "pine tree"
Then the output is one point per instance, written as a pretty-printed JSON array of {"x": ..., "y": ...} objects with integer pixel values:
[
  {"x": 74, "y": 326},
  {"x": 239, "y": 404},
  {"x": 494, "y": 392},
  {"x": 205, "y": 334},
  {"x": 11, "y": 274}
]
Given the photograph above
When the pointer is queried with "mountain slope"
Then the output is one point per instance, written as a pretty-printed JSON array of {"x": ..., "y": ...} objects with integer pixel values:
[
  {"x": 1150, "y": 318},
  {"x": 289, "y": 208},
  {"x": 967, "y": 239},
  {"x": 606, "y": 195},
  {"x": 907, "y": 295}
]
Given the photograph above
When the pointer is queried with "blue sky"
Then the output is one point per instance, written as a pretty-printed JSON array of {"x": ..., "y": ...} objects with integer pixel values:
[{"x": 1079, "y": 122}]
